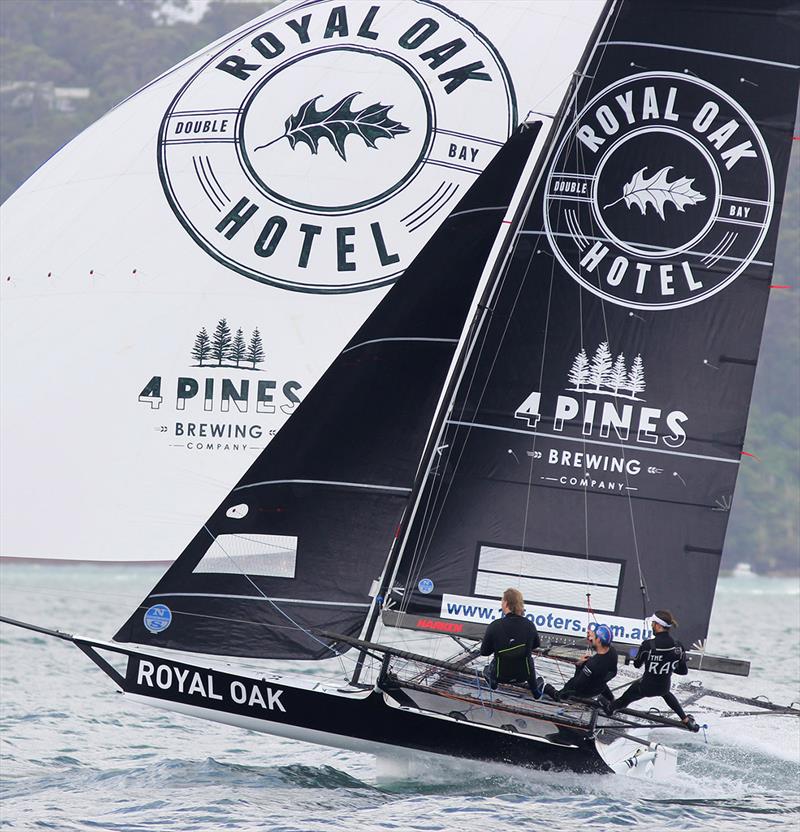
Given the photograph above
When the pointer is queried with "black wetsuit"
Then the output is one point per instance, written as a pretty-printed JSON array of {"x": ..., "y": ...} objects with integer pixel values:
[
  {"x": 591, "y": 678},
  {"x": 661, "y": 656},
  {"x": 511, "y": 639}
]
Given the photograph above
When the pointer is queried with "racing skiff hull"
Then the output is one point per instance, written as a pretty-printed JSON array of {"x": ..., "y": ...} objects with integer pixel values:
[{"x": 371, "y": 720}]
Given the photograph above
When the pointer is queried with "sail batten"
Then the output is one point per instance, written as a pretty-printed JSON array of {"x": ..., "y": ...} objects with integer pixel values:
[
  {"x": 261, "y": 598},
  {"x": 356, "y": 485}
]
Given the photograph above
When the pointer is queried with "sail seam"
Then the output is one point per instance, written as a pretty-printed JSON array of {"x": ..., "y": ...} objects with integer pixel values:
[
  {"x": 591, "y": 441},
  {"x": 551, "y": 580},
  {"x": 478, "y": 210},
  {"x": 699, "y": 52},
  {"x": 326, "y": 482},
  {"x": 399, "y": 338},
  {"x": 257, "y": 598},
  {"x": 601, "y": 239}
]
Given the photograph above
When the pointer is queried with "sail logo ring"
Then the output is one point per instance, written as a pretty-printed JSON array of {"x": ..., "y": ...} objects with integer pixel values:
[
  {"x": 661, "y": 192},
  {"x": 322, "y": 146},
  {"x": 157, "y": 618}
]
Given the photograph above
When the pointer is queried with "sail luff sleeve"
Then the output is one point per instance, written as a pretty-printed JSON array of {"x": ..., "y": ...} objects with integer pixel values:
[
  {"x": 596, "y": 439},
  {"x": 299, "y": 540}
]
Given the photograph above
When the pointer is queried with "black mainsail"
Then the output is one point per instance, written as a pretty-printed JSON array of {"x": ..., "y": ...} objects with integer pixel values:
[
  {"x": 590, "y": 453},
  {"x": 301, "y": 538}
]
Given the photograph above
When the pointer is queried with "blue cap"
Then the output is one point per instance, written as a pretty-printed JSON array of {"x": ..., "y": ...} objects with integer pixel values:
[{"x": 603, "y": 634}]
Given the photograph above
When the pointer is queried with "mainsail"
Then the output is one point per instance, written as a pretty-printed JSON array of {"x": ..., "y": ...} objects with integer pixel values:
[
  {"x": 304, "y": 534},
  {"x": 590, "y": 453}
]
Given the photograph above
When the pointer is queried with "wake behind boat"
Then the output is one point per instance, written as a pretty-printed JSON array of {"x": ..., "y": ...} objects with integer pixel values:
[{"x": 554, "y": 396}]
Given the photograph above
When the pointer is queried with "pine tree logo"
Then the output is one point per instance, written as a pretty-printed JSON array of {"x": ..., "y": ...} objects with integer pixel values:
[
  {"x": 202, "y": 347},
  {"x": 224, "y": 349},
  {"x": 238, "y": 347},
  {"x": 255, "y": 350},
  {"x": 221, "y": 342},
  {"x": 607, "y": 375}
]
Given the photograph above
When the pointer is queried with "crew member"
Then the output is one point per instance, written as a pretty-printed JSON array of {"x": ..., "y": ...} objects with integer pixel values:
[
  {"x": 511, "y": 639},
  {"x": 661, "y": 656},
  {"x": 593, "y": 672}
]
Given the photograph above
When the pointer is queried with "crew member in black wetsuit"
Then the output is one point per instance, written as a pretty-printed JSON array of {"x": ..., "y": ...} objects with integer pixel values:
[
  {"x": 511, "y": 639},
  {"x": 661, "y": 656},
  {"x": 593, "y": 672}
]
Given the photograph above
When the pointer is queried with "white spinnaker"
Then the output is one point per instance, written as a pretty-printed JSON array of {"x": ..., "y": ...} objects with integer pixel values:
[{"x": 110, "y": 270}]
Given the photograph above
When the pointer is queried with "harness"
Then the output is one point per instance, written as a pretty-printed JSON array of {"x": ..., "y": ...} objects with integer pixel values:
[{"x": 513, "y": 663}]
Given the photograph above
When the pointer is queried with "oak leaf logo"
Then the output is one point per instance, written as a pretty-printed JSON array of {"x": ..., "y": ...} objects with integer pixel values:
[
  {"x": 309, "y": 126},
  {"x": 658, "y": 191}
]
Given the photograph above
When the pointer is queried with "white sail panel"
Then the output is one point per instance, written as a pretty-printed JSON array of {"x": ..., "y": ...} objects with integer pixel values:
[
  {"x": 537, "y": 590},
  {"x": 177, "y": 277},
  {"x": 557, "y": 567},
  {"x": 269, "y": 555}
]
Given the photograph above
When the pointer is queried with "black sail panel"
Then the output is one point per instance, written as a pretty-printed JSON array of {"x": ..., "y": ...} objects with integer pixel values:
[
  {"x": 300, "y": 539},
  {"x": 593, "y": 446}
]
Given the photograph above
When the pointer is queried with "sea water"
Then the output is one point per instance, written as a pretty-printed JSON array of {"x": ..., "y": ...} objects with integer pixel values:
[{"x": 78, "y": 755}]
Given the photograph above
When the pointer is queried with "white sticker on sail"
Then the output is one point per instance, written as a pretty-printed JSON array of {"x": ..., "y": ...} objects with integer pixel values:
[
  {"x": 547, "y": 619},
  {"x": 269, "y": 555},
  {"x": 543, "y": 578}
]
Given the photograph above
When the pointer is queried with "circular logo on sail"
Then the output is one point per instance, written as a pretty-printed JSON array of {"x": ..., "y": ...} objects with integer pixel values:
[
  {"x": 158, "y": 618},
  {"x": 425, "y": 586},
  {"x": 323, "y": 146},
  {"x": 660, "y": 193}
]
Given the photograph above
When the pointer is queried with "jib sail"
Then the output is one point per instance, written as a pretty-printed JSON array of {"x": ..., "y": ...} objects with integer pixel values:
[
  {"x": 590, "y": 453},
  {"x": 300, "y": 539}
]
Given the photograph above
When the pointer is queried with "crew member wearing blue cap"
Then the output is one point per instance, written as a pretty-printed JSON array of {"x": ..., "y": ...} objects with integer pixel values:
[
  {"x": 661, "y": 656},
  {"x": 593, "y": 672}
]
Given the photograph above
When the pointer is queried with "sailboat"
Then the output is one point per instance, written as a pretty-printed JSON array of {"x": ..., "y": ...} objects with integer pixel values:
[{"x": 554, "y": 397}]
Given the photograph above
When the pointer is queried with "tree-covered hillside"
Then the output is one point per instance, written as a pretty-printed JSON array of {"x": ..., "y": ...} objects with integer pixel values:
[{"x": 63, "y": 63}]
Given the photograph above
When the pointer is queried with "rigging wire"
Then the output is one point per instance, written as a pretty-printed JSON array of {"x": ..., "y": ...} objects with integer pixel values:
[
  {"x": 642, "y": 584},
  {"x": 269, "y": 600}
]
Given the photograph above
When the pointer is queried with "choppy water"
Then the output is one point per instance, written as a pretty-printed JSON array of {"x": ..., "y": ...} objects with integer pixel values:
[{"x": 76, "y": 755}]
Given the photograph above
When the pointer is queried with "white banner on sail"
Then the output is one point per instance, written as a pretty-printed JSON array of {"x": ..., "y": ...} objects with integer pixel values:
[{"x": 547, "y": 619}]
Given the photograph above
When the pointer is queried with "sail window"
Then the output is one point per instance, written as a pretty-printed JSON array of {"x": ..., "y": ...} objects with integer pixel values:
[
  {"x": 268, "y": 555},
  {"x": 561, "y": 580},
  {"x": 237, "y": 512}
]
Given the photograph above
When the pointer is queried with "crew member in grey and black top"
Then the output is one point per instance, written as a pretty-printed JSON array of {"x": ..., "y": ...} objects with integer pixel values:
[
  {"x": 511, "y": 639},
  {"x": 661, "y": 656}
]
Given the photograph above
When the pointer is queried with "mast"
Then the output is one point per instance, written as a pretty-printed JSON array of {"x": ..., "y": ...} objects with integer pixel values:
[{"x": 496, "y": 264}]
